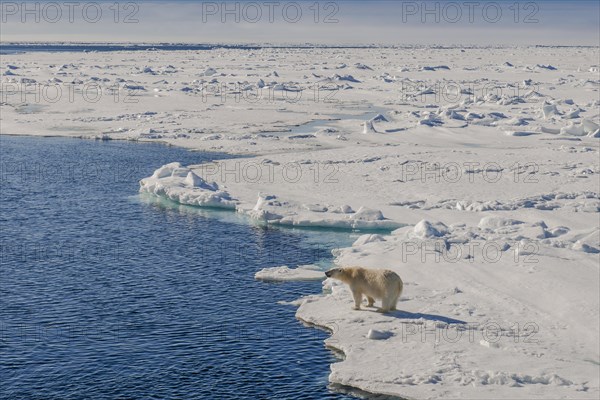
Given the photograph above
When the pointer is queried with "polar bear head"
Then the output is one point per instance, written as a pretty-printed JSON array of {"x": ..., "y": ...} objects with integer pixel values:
[{"x": 335, "y": 273}]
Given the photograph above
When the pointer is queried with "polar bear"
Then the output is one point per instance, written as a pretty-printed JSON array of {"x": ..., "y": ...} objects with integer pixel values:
[{"x": 374, "y": 283}]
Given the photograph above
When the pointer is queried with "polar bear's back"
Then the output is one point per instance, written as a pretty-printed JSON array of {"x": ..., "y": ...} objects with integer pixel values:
[{"x": 375, "y": 282}]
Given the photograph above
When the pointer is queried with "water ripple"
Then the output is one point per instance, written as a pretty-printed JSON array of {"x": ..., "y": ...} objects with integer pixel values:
[{"x": 107, "y": 297}]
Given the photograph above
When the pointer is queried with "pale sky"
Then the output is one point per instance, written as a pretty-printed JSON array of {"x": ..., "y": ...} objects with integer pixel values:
[{"x": 547, "y": 22}]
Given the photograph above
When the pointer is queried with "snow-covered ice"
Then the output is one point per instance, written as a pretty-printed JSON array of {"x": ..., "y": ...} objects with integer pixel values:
[
  {"x": 285, "y": 273},
  {"x": 471, "y": 172},
  {"x": 183, "y": 186}
]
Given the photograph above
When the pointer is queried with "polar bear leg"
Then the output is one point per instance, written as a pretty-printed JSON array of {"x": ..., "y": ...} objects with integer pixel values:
[
  {"x": 394, "y": 301},
  {"x": 396, "y": 297},
  {"x": 357, "y": 299},
  {"x": 385, "y": 305},
  {"x": 370, "y": 301}
]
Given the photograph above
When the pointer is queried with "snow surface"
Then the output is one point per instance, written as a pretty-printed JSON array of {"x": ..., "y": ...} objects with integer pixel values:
[{"x": 471, "y": 172}]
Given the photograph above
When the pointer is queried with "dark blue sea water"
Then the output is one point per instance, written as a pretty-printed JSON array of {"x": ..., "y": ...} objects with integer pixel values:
[
  {"x": 15, "y": 48},
  {"x": 12, "y": 48},
  {"x": 104, "y": 294}
]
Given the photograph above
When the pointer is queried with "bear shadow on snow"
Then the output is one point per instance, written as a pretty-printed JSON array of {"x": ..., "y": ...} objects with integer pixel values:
[{"x": 430, "y": 317}]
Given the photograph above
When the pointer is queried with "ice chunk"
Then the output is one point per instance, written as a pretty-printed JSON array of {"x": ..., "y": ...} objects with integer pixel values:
[
  {"x": 485, "y": 343},
  {"x": 132, "y": 87},
  {"x": 573, "y": 130},
  {"x": 170, "y": 182},
  {"x": 193, "y": 180},
  {"x": 348, "y": 78},
  {"x": 315, "y": 208},
  {"x": 180, "y": 172},
  {"x": 589, "y": 243},
  {"x": 346, "y": 209},
  {"x": 263, "y": 200},
  {"x": 589, "y": 126},
  {"x": 586, "y": 248},
  {"x": 497, "y": 222},
  {"x": 521, "y": 133},
  {"x": 374, "y": 334},
  {"x": 548, "y": 67},
  {"x": 425, "y": 229},
  {"x": 379, "y": 118},
  {"x": 166, "y": 170},
  {"x": 343, "y": 209},
  {"x": 364, "y": 239},
  {"x": 533, "y": 232},
  {"x": 549, "y": 110},
  {"x": 362, "y": 66},
  {"x": 366, "y": 214},
  {"x": 327, "y": 132},
  {"x": 434, "y": 68},
  {"x": 210, "y": 72},
  {"x": 368, "y": 127},
  {"x": 559, "y": 231},
  {"x": 284, "y": 273},
  {"x": 572, "y": 114}
]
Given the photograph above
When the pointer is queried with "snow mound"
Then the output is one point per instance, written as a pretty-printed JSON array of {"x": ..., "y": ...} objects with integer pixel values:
[
  {"x": 166, "y": 170},
  {"x": 210, "y": 72},
  {"x": 343, "y": 209},
  {"x": 364, "y": 239},
  {"x": 367, "y": 214},
  {"x": 425, "y": 229},
  {"x": 362, "y": 66},
  {"x": 589, "y": 243},
  {"x": 193, "y": 180},
  {"x": 327, "y": 132},
  {"x": 348, "y": 78},
  {"x": 497, "y": 222}
]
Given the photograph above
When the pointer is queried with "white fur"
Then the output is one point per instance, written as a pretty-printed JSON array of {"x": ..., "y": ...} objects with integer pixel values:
[{"x": 378, "y": 284}]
